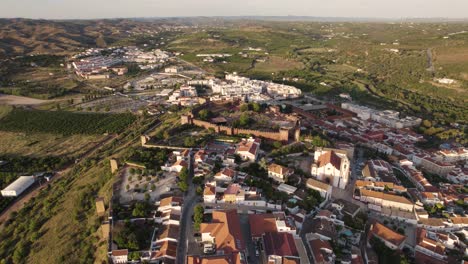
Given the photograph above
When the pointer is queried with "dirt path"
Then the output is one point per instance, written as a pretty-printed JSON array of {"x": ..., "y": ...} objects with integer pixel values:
[{"x": 19, "y": 100}]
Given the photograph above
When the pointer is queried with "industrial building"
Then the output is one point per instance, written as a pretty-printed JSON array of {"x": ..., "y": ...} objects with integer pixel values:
[{"x": 18, "y": 187}]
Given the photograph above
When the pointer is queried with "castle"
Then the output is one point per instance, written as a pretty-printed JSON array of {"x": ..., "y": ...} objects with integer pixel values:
[{"x": 282, "y": 135}]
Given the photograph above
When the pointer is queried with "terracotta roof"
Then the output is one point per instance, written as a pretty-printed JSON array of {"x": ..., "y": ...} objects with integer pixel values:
[
  {"x": 291, "y": 261},
  {"x": 262, "y": 223},
  {"x": 317, "y": 184},
  {"x": 170, "y": 200},
  {"x": 225, "y": 227},
  {"x": 421, "y": 258},
  {"x": 432, "y": 221},
  {"x": 209, "y": 190},
  {"x": 329, "y": 157},
  {"x": 233, "y": 258},
  {"x": 385, "y": 233},
  {"x": 385, "y": 196},
  {"x": 427, "y": 243},
  {"x": 280, "y": 244},
  {"x": 119, "y": 252},
  {"x": 167, "y": 248},
  {"x": 233, "y": 189},
  {"x": 227, "y": 172},
  {"x": 182, "y": 163},
  {"x": 248, "y": 146},
  {"x": 169, "y": 231},
  {"x": 278, "y": 169},
  {"x": 317, "y": 247},
  {"x": 459, "y": 220}
]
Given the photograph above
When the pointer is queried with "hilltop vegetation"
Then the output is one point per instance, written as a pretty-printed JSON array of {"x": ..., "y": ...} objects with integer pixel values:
[
  {"x": 65, "y": 123},
  {"x": 384, "y": 65}
]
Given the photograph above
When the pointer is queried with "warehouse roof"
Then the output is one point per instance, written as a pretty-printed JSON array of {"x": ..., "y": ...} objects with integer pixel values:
[{"x": 20, "y": 183}]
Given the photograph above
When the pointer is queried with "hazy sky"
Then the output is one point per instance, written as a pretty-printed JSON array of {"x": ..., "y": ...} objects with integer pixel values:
[{"x": 158, "y": 8}]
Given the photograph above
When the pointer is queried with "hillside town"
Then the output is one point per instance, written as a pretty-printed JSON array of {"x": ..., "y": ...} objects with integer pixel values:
[
  {"x": 300, "y": 181},
  {"x": 259, "y": 172},
  {"x": 239, "y": 170}
]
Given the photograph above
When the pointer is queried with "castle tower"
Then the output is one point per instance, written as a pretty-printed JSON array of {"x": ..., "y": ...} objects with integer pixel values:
[
  {"x": 284, "y": 134},
  {"x": 114, "y": 165},
  {"x": 297, "y": 134},
  {"x": 186, "y": 119},
  {"x": 144, "y": 139},
  {"x": 297, "y": 131}
]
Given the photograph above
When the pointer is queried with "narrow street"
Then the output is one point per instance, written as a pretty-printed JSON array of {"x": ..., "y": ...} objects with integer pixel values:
[{"x": 190, "y": 199}]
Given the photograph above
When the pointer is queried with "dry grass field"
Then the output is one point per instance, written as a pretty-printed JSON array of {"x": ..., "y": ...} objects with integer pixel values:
[
  {"x": 275, "y": 64},
  {"x": 38, "y": 144}
]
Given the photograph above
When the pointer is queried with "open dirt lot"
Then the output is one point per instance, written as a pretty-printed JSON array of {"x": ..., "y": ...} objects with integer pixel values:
[{"x": 19, "y": 100}]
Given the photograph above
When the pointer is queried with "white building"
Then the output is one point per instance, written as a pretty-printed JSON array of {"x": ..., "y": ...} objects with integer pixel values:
[
  {"x": 331, "y": 166},
  {"x": 18, "y": 187},
  {"x": 279, "y": 173},
  {"x": 324, "y": 189}
]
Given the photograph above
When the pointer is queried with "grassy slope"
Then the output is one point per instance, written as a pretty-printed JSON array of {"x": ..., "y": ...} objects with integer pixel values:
[{"x": 43, "y": 144}]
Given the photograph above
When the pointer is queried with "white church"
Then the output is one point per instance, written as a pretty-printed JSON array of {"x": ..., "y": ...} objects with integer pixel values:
[{"x": 331, "y": 166}]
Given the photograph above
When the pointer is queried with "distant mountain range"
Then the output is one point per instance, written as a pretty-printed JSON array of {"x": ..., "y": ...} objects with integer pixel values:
[
  {"x": 26, "y": 36},
  {"x": 20, "y": 36}
]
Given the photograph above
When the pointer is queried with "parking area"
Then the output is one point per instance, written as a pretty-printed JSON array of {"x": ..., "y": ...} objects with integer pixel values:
[{"x": 134, "y": 187}]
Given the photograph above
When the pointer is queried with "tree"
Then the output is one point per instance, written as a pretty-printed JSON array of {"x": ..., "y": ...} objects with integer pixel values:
[
  {"x": 183, "y": 186},
  {"x": 244, "y": 107},
  {"x": 140, "y": 209},
  {"x": 189, "y": 142},
  {"x": 244, "y": 119},
  {"x": 183, "y": 175},
  {"x": 204, "y": 114},
  {"x": 198, "y": 216},
  {"x": 20, "y": 253},
  {"x": 256, "y": 107}
]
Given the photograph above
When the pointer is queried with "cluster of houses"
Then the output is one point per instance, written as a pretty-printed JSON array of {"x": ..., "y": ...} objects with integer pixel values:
[
  {"x": 91, "y": 64},
  {"x": 431, "y": 246},
  {"x": 236, "y": 87},
  {"x": 389, "y": 118},
  {"x": 164, "y": 239},
  {"x": 98, "y": 67},
  {"x": 368, "y": 128},
  {"x": 185, "y": 96},
  {"x": 223, "y": 240}
]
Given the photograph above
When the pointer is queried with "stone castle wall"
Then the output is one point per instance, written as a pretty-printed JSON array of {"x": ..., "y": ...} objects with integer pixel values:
[{"x": 281, "y": 135}]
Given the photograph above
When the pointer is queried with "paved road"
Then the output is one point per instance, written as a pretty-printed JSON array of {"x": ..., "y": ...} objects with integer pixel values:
[
  {"x": 190, "y": 199},
  {"x": 250, "y": 246}
]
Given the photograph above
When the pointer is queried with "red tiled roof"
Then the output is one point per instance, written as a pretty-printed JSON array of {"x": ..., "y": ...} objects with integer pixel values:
[
  {"x": 385, "y": 233},
  {"x": 280, "y": 244},
  {"x": 209, "y": 190},
  {"x": 329, "y": 157},
  {"x": 119, "y": 252},
  {"x": 317, "y": 245},
  {"x": 225, "y": 227},
  {"x": 262, "y": 223}
]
